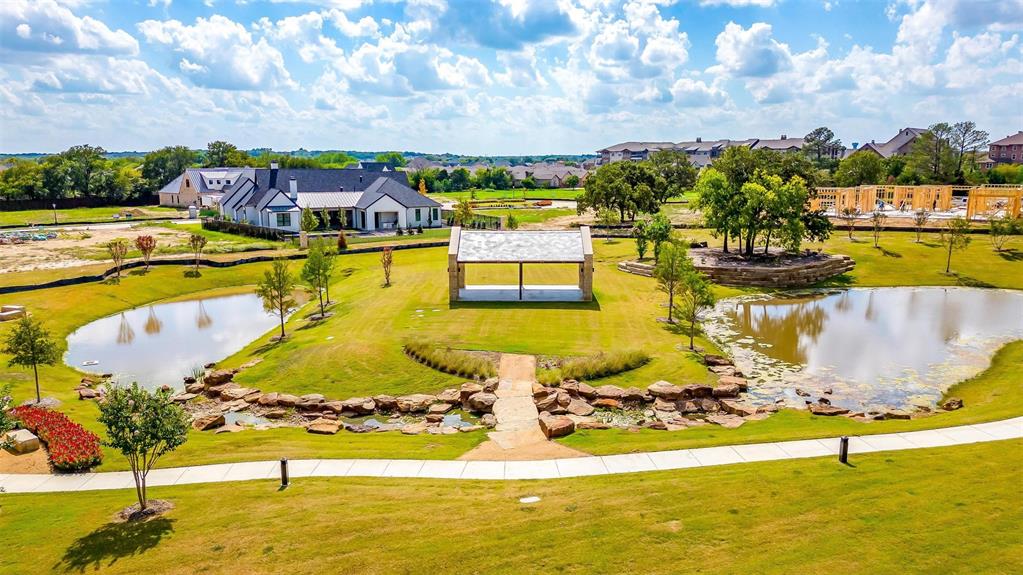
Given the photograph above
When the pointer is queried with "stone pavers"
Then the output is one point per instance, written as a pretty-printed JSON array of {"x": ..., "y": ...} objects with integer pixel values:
[{"x": 521, "y": 470}]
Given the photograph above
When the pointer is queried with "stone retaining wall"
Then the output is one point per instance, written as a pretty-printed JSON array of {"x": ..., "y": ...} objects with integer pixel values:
[{"x": 797, "y": 274}]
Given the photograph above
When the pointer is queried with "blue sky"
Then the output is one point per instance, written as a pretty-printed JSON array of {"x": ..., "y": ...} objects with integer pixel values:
[{"x": 500, "y": 76}]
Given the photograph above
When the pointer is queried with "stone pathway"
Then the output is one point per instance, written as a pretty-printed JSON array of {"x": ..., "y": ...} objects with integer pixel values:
[
  {"x": 517, "y": 435},
  {"x": 512, "y": 470}
]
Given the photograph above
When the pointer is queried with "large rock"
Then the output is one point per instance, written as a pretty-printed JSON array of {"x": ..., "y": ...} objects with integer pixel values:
[
  {"x": 359, "y": 405},
  {"x": 739, "y": 382},
  {"x": 324, "y": 426},
  {"x": 556, "y": 426},
  {"x": 415, "y": 402},
  {"x": 287, "y": 400},
  {"x": 708, "y": 405},
  {"x": 216, "y": 390},
  {"x": 385, "y": 402},
  {"x": 697, "y": 390},
  {"x": 415, "y": 428},
  {"x": 218, "y": 377},
  {"x": 711, "y": 359},
  {"x": 635, "y": 395},
  {"x": 22, "y": 441},
  {"x": 439, "y": 409},
  {"x": 313, "y": 398},
  {"x": 587, "y": 391},
  {"x": 592, "y": 425},
  {"x": 661, "y": 404},
  {"x": 207, "y": 422},
  {"x": 276, "y": 413},
  {"x": 482, "y": 402},
  {"x": 194, "y": 387},
  {"x": 579, "y": 407},
  {"x": 665, "y": 390},
  {"x": 450, "y": 396},
  {"x": 897, "y": 414},
  {"x": 469, "y": 388},
  {"x": 829, "y": 410},
  {"x": 183, "y": 397},
  {"x": 86, "y": 393},
  {"x": 546, "y": 402},
  {"x": 726, "y": 420},
  {"x": 606, "y": 403},
  {"x": 735, "y": 407},
  {"x": 952, "y": 404},
  {"x": 726, "y": 390},
  {"x": 490, "y": 385},
  {"x": 690, "y": 406},
  {"x": 236, "y": 393},
  {"x": 610, "y": 392},
  {"x": 268, "y": 399},
  {"x": 563, "y": 398},
  {"x": 488, "y": 420}
]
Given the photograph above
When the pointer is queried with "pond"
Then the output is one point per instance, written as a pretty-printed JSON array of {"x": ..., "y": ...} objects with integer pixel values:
[
  {"x": 878, "y": 347},
  {"x": 160, "y": 344}
]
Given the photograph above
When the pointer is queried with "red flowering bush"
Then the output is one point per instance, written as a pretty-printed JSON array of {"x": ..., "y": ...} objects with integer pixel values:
[{"x": 71, "y": 446}]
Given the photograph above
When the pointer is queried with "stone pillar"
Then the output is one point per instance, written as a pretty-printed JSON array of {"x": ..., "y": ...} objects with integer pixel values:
[
  {"x": 456, "y": 271},
  {"x": 586, "y": 268},
  {"x": 303, "y": 240}
]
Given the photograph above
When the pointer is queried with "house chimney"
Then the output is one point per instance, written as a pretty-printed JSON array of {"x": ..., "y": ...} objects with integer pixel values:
[
  {"x": 340, "y": 188},
  {"x": 360, "y": 178},
  {"x": 784, "y": 137},
  {"x": 274, "y": 165},
  {"x": 293, "y": 188},
  {"x": 699, "y": 139},
  {"x": 856, "y": 145}
]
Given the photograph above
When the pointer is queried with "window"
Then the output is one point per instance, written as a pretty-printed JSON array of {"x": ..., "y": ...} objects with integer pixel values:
[
  {"x": 420, "y": 217},
  {"x": 435, "y": 214},
  {"x": 284, "y": 220},
  {"x": 187, "y": 183},
  {"x": 218, "y": 181},
  {"x": 228, "y": 182}
]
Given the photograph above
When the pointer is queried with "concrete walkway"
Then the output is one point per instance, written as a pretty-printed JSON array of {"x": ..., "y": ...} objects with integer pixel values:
[{"x": 510, "y": 470}]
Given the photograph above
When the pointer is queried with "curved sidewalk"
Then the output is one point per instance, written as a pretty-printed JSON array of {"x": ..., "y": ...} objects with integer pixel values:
[{"x": 514, "y": 470}]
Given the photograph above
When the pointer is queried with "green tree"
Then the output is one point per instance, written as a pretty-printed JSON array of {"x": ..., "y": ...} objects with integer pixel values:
[
  {"x": 275, "y": 290},
  {"x": 877, "y": 220},
  {"x": 608, "y": 218},
  {"x": 571, "y": 181},
  {"x": 118, "y": 249},
  {"x": 718, "y": 203},
  {"x": 460, "y": 179},
  {"x": 658, "y": 231},
  {"x": 529, "y": 183},
  {"x": 694, "y": 298},
  {"x": 30, "y": 345},
  {"x": 161, "y": 166},
  {"x": 672, "y": 265},
  {"x": 955, "y": 236},
  {"x": 7, "y": 422},
  {"x": 511, "y": 222},
  {"x": 393, "y": 158},
  {"x": 336, "y": 160},
  {"x": 197, "y": 242},
  {"x": 920, "y": 218},
  {"x": 819, "y": 144},
  {"x": 965, "y": 139},
  {"x": 860, "y": 169},
  {"x": 308, "y": 222},
  {"x": 931, "y": 154},
  {"x": 640, "y": 232},
  {"x": 143, "y": 426},
  {"x": 1001, "y": 229},
  {"x": 675, "y": 174},
  {"x": 325, "y": 219},
  {"x": 315, "y": 273},
  {"x": 224, "y": 154},
  {"x": 627, "y": 187},
  {"x": 22, "y": 180},
  {"x": 463, "y": 212}
]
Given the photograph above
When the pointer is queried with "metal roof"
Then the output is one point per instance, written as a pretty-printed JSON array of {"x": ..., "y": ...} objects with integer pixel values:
[
  {"x": 334, "y": 200},
  {"x": 522, "y": 246}
]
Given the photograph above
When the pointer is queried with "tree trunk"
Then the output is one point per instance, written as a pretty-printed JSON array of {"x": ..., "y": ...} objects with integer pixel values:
[
  {"x": 725, "y": 247},
  {"x": 282, "y": 322},
  {"x": 671, "y": 302},
  {"x": 319, "y": 292},
  {"x": 948, "y": 262},
  {"x": 692, "y": 329},
  {"x": 35, "y": 370}
]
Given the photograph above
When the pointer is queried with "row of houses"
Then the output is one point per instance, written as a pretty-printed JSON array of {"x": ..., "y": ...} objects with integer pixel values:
[
  {"x": 546, "y": 175},
  {"x": 701, "y": 153},
  {"x": 368, "y": 197}
]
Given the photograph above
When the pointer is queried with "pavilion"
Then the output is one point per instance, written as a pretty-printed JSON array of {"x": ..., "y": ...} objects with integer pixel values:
[{"x": 520, "y": 247}]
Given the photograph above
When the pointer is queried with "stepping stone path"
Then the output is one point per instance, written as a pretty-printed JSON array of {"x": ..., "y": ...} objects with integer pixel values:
[{"x": 518, "y": 434}]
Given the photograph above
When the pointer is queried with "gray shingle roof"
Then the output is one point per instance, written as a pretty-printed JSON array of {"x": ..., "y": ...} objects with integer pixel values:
[{"x": 402, "y": 194}]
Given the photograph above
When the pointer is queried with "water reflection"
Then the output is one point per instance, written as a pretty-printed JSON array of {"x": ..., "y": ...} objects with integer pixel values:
[
  {"x": 886, "y": 346},
  {"x": 173, "y": 338}
]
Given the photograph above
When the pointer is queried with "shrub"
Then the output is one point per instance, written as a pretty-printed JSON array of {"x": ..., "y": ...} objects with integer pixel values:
[
  {"x": 595, "y": 366},
  {"x": 71, "y": 446},
  {"x": 453, "y": 361}
]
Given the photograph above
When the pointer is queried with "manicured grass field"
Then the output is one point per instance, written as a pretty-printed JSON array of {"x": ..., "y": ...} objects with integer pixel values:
[
  {"x": 529, "y": 216},
  {"x": 945, "y": 510},
  {"x": 370, "y": 324},
  {"x": 516, "y": 194},
  {"x": 104, "y": 214}
]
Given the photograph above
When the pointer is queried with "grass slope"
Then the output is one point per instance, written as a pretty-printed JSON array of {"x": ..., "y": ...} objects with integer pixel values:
[
  {"x": 103, "y": 214},
  {"x": 887, "y": 513}
]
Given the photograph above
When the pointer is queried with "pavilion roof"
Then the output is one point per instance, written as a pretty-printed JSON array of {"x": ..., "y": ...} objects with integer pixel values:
[{"x": 526, "y": 246}]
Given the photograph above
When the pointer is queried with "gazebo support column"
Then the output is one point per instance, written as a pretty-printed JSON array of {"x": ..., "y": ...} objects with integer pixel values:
[
  {"x": 520, "y": 281},
  {"x": 586, "y": 268},
  {"x": 456, "y": 270}
]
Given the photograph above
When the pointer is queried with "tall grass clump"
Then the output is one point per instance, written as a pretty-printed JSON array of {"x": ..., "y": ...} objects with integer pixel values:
[
  {"x": 594, "y": 366},
  {"x": 453, "y": 361}
]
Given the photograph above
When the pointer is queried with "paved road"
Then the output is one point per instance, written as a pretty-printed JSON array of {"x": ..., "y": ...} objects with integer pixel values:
[{"x": 516, "y": 470}]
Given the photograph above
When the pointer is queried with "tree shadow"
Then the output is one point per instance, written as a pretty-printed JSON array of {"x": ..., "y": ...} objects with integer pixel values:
[
  {"x": 138, "y": 272},
  {"x": 1011, "y": 255},
  {"x": 111, "y": 281},
  {"x": 967, "y": 281},
  {"x": 888, "y": 253},
  {"x": 843, "y": 280},
  {"x": 104, "y": 546},
  {"x": 193, "y": 273},
  {"x": 930, "y": 244}
]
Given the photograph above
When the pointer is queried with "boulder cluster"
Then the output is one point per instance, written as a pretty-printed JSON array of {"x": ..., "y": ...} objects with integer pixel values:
[
  {"x": 318, "y": 414},
  {"x": 664, "y": 405}
]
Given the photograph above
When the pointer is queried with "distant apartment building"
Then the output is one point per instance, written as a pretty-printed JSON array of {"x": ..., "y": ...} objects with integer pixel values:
[
  {"x": 701, "y": 153},
  {"x": 899, "y": 144},
  {"x": 1008, "y": 150}
]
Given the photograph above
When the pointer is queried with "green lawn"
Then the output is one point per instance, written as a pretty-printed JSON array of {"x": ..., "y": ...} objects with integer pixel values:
[
  {"x": 516, "y": 194},
  {"x": 529, "y": 216},
  {"x": 946, "y": 510},
  {"x": 371, "y": 323},
  {"x": 104, "y": 214}
]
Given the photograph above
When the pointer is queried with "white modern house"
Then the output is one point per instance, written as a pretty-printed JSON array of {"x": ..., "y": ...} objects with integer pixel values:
[{"x": 366, "y": 199}]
